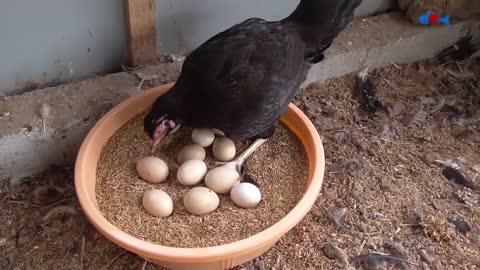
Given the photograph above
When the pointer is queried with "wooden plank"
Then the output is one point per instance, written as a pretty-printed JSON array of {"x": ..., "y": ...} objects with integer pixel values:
[{"x": 142, "y": 32}]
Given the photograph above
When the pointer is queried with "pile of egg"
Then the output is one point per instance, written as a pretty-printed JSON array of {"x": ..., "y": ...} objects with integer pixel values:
[{"x": 220, "y": 180}]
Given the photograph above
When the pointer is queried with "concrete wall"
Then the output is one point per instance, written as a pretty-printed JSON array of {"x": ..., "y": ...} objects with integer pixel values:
[
  {"x": 60, "y": 40},
  {"x": 182, "y": 26},
  {"x": 50, "y": 40}
]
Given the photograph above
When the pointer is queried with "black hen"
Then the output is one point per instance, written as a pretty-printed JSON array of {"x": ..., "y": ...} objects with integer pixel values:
[{"x": 241, "y": 80}]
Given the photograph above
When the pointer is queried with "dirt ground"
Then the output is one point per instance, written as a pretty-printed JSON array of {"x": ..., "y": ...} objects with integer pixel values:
[{"x": 386, "y": 202}]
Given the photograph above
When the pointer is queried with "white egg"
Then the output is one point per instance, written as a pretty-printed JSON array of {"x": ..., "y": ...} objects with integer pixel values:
[
  {"x": 191, "y": 151},
  {"x": 201, "y": 201},
  {"x": 191, "y": 172},
  {"x": 218, "y": 132},
  {"x": 203, "y": 137},
  {"x": 157, "y": 203},
  {"x": 245, "y": 195},
  {"x": 224, "y": 149},
  {"x": 222, "y": 179},
  {"x": 152, "y": 169}
]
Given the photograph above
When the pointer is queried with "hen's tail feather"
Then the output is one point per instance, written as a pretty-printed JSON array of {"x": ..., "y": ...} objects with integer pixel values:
[
  {"x": 320, "y": 22},
  {"x": 343, "y": 17},
  {"x": 347, "y": 13}
]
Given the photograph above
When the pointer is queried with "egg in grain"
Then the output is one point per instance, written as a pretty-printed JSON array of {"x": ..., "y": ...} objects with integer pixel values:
[
  {"x": 245, "y": 195},
  {"x": 152, "y": 169},
  {"x": 191, "y": 151},
  {"x": 157, "y": 203},
  {"x": 201, "y": 201},
  {"x": 191, "y": 172},
  {"x": 222, "y": 179},
  {"x": 224, "y": 149},
  {"x": 203, "y": 137}
]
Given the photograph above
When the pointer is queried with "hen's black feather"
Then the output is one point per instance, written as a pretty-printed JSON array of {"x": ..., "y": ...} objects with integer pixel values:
[{"x": 241, "y": 80}]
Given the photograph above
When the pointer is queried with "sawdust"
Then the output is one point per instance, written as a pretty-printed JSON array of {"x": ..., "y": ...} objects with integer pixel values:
[
  {"x": 279, "y": 167},
  {"x": 360, "y": 161},
  {"x": 397, "y": 200}
]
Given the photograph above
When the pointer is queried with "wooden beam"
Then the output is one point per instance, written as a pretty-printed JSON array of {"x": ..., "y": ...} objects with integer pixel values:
[{"x": 142, "y": 32}]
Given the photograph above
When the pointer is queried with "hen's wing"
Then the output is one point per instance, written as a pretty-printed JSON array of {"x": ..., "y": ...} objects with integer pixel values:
[{"x": 242, "y": 80}]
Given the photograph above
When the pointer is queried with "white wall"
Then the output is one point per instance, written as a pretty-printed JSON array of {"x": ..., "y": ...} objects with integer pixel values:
[
  {"x": 182, "y": 26},
  {"x": 47, "y": 40},
  {"x": 44, "y": 41}
]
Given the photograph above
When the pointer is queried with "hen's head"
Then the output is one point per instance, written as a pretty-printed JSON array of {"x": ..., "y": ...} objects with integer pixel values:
[{"x": 161, "y": 120}]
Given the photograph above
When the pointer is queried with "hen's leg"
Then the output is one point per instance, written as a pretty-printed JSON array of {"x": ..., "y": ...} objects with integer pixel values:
[
  {"x": 239, "y": 162},
  {"x": 258, "y": 140},
  {"x": 240, "y": 159}
]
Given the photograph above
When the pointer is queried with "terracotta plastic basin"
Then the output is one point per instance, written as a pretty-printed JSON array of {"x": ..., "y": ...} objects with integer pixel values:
[{"x": 217, "y": 257}]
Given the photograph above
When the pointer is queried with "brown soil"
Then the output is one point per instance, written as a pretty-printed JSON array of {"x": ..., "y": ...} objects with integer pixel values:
[
  {"x": 278, "y": 166},
  {"x": 380, "y": 174}
]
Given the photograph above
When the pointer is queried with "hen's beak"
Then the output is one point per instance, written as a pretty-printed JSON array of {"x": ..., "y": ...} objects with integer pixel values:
[{"x": 155, "y": 142}]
